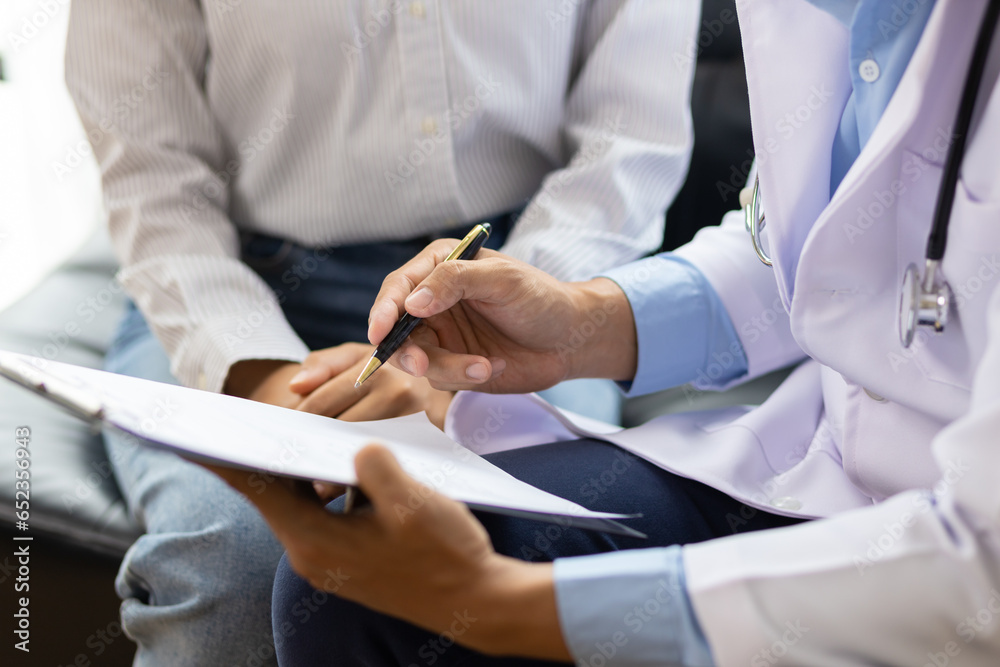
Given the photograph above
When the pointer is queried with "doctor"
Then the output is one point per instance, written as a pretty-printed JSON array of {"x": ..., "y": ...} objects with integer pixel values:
[{"x": 892, "y": 449}]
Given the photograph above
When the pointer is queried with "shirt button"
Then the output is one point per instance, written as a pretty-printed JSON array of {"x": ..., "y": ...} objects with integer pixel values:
[
  {"x": 429, "y": 126},
  {"x": 418, "y": 10},
  {"x": 787, "y": 503},
  {"x": 869, "y": 70},
  {"x": 875, "y": 397}
]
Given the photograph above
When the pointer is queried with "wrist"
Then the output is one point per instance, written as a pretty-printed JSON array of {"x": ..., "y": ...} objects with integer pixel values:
[
  {"x": 606, "y": 325},
  {"x": 247, "y": 377},
  {"x": 517, "y": 603},
  {"x": 437, "y": 406}
]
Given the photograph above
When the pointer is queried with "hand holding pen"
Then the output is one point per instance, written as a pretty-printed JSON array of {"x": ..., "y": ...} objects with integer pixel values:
[
  {"x": 466, "y": 249},
  {"x": 500, "y": 325}
]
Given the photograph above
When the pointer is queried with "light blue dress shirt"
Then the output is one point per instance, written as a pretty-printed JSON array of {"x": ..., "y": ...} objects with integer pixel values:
[
  {"x": 606, "y": 601},
  {"x": 681, "y": 325},
  {"x": 883, "y": 37}
]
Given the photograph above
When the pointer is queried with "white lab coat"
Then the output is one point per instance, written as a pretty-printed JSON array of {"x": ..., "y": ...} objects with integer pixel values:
[
  {"x": 860, "y": 435},
  {"x": 900, "y": 581}
]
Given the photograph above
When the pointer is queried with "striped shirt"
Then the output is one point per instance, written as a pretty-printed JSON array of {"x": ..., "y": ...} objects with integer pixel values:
[{"x": 367, "y": 120}]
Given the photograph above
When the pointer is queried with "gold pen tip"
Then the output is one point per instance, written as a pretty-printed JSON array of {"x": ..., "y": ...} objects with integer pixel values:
[{"x": 373, "y": 365}]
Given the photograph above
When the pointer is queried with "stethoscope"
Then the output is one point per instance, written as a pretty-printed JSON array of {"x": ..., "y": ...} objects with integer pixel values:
[{"x": 924, "y": 300}]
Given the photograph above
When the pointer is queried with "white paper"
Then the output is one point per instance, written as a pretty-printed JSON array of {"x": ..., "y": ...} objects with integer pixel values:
[{"x": 297, "y": 444}]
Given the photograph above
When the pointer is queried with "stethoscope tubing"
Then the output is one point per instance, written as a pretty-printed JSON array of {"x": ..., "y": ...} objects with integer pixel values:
[
  {"x": 938, "y": 239},
  {"x": 924, "y": 301}
]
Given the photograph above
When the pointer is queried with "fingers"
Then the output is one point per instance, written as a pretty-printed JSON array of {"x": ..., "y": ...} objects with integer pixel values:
[
  {"x": 447, "y": 370},
  {"x": 390, "y": 394},
  {"x": 372, "y": 410},
  {"x": 279, "y": 502},
  {"x": 335, "y": 396},
  {"x": 339, "y": 368},
  {"x": 428, "y": 285},
  {"x": 322, "y": 365},
  {"x": 397, "y": 286},
  {"x": 451, "y": 282}
]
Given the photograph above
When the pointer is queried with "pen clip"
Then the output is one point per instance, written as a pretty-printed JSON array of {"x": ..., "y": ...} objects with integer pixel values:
[{"x": 470, "y": 238}]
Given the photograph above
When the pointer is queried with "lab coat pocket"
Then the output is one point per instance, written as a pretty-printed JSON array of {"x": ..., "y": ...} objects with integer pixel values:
[{"x": 970, "y": 267}]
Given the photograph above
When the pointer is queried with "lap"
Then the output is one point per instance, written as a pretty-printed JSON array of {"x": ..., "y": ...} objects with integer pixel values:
[
  {"x": 595, "y": 474},
  {"x": 603, "y": 477},
  {"x": 167, "y": 492},
  {"x": 177, "y": 578}
]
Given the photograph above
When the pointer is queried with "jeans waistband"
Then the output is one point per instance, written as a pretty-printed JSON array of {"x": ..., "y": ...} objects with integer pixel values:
[{"x": 276, "y": 247}]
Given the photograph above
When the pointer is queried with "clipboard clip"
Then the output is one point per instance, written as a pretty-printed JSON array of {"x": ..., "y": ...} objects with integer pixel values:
[{"x": 62, "y": 393}]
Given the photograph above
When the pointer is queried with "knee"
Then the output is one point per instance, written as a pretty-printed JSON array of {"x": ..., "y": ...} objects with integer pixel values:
[
  {"x": 171, "y": 567},
  {"x": 294, "y": 598},
  {"x": 204, "y": 593}
]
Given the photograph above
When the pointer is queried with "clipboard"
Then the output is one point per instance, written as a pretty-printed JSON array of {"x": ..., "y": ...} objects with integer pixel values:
[
  {"x": 71, "y": 399},
  {"x": 107, "y": 411},
  {"x": 81, "y": 405}
]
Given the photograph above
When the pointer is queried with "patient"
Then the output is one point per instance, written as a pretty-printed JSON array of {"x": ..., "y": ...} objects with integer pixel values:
[{"x": 281, "y": 159}]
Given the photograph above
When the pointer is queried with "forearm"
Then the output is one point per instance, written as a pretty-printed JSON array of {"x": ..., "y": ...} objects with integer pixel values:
[
  {"x": 263, "y": 380},
  {"x": 749, "y": 294},
  {"x": 683, "y": 329},
  {"x": 632, "y": 606},
  {"x": 165, "y": 178},
  {"x": 579, "y": 606},
  {"x": 515, "y": 612}
]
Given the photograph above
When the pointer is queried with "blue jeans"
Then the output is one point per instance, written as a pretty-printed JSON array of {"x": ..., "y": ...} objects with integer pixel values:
[
  {"x": 314, "y": 628},
  {"x": 197, "y": 586}
]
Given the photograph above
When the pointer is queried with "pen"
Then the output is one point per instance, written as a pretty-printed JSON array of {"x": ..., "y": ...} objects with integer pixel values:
[{"x": 466, "y": 249}]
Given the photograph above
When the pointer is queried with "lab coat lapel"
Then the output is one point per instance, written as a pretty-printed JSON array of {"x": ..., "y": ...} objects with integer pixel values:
[
  {"x": 852, "y": 260},
  {"x": 798, "y": 83}
]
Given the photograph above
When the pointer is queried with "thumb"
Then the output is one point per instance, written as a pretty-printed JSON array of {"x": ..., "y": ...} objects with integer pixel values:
[{"x": 383, "y": 480}]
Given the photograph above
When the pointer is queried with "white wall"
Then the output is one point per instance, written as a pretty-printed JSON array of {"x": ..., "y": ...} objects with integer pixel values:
[{"x": 46, "y": 210}]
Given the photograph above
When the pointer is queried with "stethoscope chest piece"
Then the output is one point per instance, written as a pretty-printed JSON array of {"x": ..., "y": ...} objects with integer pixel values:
[
  {"x": 922, "y": 302},
  {"x": 925, "y": 301}
]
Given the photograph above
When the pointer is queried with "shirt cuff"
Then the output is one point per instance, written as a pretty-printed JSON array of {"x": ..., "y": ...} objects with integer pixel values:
[
  {"x": 630, "y": 608},
  {"x": 683, "y": 331},
  {"x": 207, "y": 321},
  {"x": 217, "y": 345}
]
